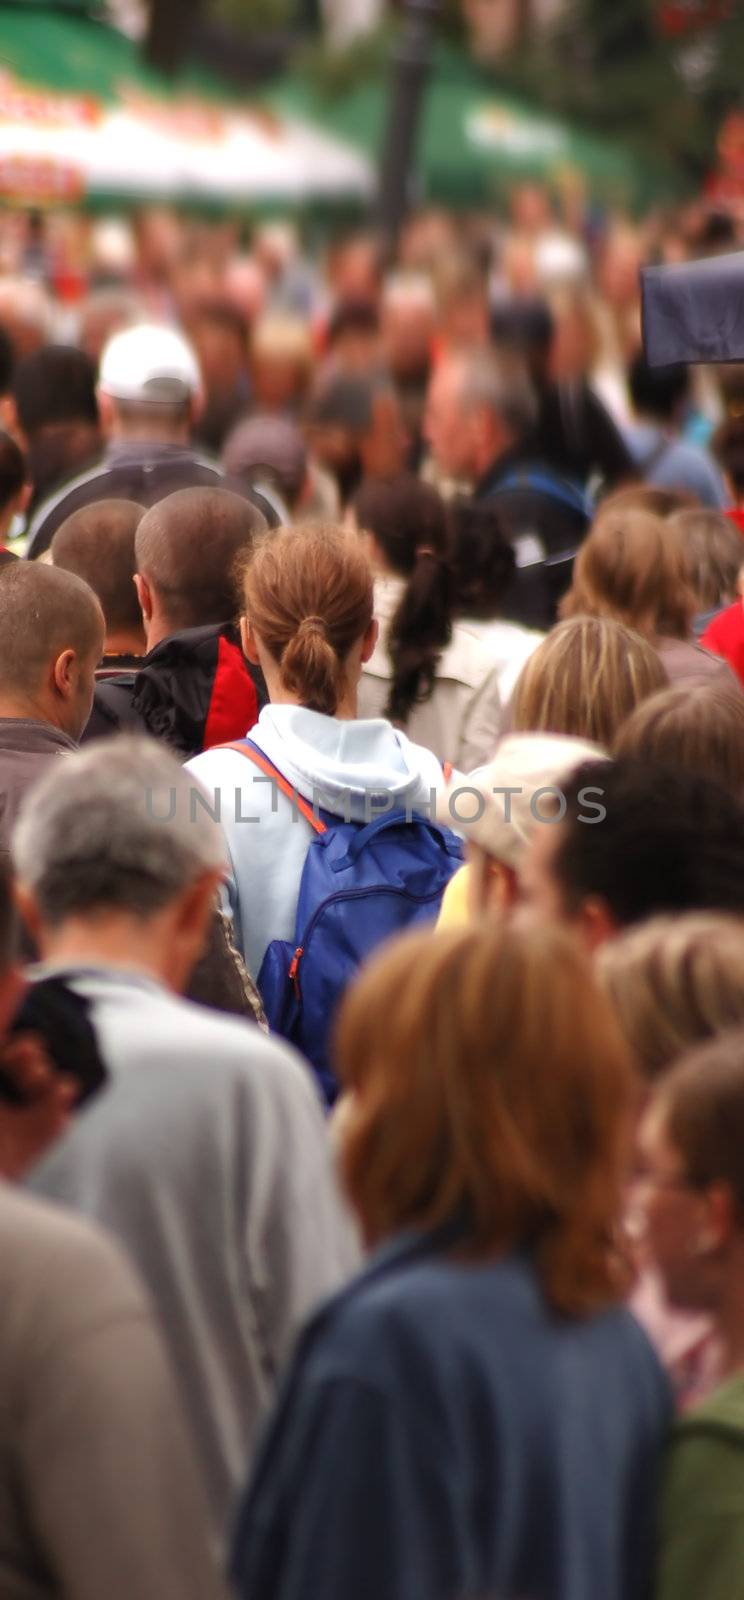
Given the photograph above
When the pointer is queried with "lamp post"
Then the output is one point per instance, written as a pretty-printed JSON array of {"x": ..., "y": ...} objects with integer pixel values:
[
  {"x": 170, "y": 32},
  {"x": 411, "y": 67}
]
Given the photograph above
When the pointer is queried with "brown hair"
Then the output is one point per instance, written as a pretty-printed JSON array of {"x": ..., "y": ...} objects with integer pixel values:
[
  {"x": 584, "y": 679},
  {"x": 408, "y": 520},
  {"x": 97, "y": 543},
  {"x": 675, "y": 981},
  {"x": 308, "y": 594},
  {"x": 696, "y": 727},
  {"x": 628, "y": 569},
  {"x": 644, "y": 497},
  {"x": 713, "y": 551},
  {"x": 702, "y": 1101},
  {"x": 43, "y": 611},
  {"x": 490, "y": 1080}
]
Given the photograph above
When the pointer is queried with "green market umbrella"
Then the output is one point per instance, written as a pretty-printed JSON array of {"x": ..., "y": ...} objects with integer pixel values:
[
  {"x": 84, "y": 118},
  {"x": 475, "y": 140}
]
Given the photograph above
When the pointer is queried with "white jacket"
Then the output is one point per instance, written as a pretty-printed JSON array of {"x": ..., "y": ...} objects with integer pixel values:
[
  {"x": 341, "y": 765},
  {"x": 461, "y": 720}
]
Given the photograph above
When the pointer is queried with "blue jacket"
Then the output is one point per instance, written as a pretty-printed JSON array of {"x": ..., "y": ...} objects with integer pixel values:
[{"x": 443, "y": 1435}]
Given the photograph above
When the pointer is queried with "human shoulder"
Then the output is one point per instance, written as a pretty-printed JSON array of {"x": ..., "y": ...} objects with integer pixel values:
[
  {"x": 705, "y": 1461},
  {"x": 200, "y": 1035},
  {"x": 53, "y": 510},
  {"x": 60, "y": 1276},
  {"x": 468, "y": 659}
]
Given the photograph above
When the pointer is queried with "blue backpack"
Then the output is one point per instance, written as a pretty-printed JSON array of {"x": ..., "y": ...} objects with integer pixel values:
[{"x": 361, "y": 883}]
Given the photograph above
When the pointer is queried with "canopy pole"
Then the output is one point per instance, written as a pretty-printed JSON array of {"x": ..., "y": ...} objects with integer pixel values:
[{"x": 412, "y": 59}]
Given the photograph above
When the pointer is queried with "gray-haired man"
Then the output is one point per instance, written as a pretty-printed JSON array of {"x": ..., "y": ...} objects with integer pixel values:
[{"x": 206, "y": 1151}]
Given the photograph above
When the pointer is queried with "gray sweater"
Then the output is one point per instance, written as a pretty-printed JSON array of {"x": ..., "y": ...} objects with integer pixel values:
[
  {"x": 207, "y": 1155},
  {"x": 99, "y": 1492}
]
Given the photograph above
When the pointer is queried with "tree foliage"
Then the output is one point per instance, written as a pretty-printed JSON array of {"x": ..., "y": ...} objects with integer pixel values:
[{"x": 612, "y": 66}]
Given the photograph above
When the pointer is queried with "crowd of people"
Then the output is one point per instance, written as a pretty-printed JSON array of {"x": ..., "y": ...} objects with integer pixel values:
[{"x": 371, "y": 918}]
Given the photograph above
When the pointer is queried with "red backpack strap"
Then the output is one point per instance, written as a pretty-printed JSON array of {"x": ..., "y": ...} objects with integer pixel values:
[{"x": 245, "y": 748}]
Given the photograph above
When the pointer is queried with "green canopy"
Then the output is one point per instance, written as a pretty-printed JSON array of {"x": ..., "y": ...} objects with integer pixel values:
[
  {"x": 65, "y": 48},
  {"x": 84, "y": 118},
  {"x": 474, "y": 138}
]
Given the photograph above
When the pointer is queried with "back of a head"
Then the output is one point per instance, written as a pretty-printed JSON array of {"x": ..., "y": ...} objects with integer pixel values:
[
  {"x": 647, "y": 497},
  {"x": 713, "y": 550},
  {"x": 308, "y": 597},
  {"x": 675, "y": 982},
  {"x": 501, "y": 805},
  {"x": 43, "y": 611},
  {"x": 119, "y": 826},
  {"x": 693, "y": 727},
  {"x": 187, "y": 547},
  {"x": 482, "y": 557},
  {"x": 702, "y": 1103},
  {"x": 55, "y": 385},
  {"x": 499, "y": 1030},
  {"x": 663, "y": 841},
  {"x": 268, "y": 447},
  {"x": 150, "y": 375},
  {"x": 404, "y": 514},
  {"x": 346, "y": 400},
  {"x": 628, "y": 569},
  {"x": 497, "y": 382},
  {"x": 97, "y": 543},
  {"x": 408, "y": 520},
  {"x": 352, "y": 317},
  {"x": 585, "y": 679},
  {"x": 527, "y": 326},
  {"x": 657, "y": 392}
]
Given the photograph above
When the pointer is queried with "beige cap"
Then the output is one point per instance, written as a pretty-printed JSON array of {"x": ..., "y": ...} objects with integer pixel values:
[{"x": 502, "y": 823}]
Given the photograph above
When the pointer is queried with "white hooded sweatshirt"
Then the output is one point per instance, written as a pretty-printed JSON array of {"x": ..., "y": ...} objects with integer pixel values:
[{"x": 353, "y": 769}]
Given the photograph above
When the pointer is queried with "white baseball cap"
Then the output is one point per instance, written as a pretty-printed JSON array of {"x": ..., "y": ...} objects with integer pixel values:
[
  {"x": 527, "y": 764},
  {"x": 151, "y": 363}
]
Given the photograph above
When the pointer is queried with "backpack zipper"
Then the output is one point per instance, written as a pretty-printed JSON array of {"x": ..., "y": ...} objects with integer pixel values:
[{"x": 351, "y": 894}]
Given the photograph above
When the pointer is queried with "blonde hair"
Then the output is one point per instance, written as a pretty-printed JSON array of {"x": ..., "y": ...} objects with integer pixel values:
[
  {"x": 584, "y": 679},
  {"x": 490, "y": 1081},
  {"x": 628, "y": 569},
  {"x": 675, "y": 982},
  {"x": 308, "y": 596}
]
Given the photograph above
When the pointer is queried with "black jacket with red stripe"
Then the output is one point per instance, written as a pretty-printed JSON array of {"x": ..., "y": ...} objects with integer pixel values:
[{"x": 193, "y": 690}]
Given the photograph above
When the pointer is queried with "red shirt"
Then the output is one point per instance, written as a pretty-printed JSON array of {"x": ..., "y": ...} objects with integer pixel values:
[{"x": 725, "y": 637}]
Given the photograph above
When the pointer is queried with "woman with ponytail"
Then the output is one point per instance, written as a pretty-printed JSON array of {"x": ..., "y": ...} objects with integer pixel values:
[
  {"x": 429, "y": 675},
  {"x": 308, "y": 622}
]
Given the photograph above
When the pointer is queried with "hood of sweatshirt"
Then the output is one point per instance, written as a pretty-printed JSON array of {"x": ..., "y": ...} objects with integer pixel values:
[{"x": 339, "y": 763}]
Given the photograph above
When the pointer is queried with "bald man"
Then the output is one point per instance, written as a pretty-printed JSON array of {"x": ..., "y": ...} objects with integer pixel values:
[
  {"x": 51, "y": 640},
  {"x": 193, "y": 688},
  {"x": 97, "y": 542}
]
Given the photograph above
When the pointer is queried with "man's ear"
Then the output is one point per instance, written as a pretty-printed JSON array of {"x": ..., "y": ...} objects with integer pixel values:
[
  {"x": 23, "y": 499},
  {"x": 248, "y": 641},
  {"x": 596, "y": 922},
  {"x": 195, "y": 908},
  {"x": 28, "y": 910},
  {"x": 370, "y": 640},
  {"x": 144, "y": 595},
  {"x": 9, "y": 420},
  {"x": 106, "y": 411},
  {"x": 65, "y": 672},
  {"x": 722, "y": 1215},
  {"x": 196, "y": 407}
]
